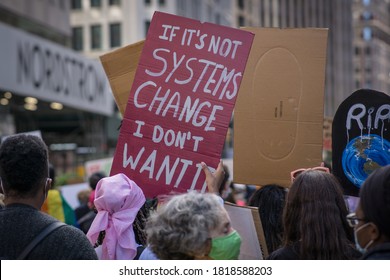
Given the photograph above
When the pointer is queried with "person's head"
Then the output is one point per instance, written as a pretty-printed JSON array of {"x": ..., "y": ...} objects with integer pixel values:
[
  {"x": 192, "y": 226},
  {"x": 24, "y": 168},
  {"x": 117, "y": 201},
  {"x": 372, "y": 220},
  {"x": 95, "y": 178},
  {"x": 83, "y": 196},
  {"x": 315, "y": 216},
  {"x": 270, "y": 200}
]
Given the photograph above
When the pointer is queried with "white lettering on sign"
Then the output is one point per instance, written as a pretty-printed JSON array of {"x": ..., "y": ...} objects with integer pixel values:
[
  {"x": 217, "y": 74},
  {"x": 358, "y": 111},
  {"x": 190, "y": 78},
  {"x": 218, "y": 45},
  {"x": 189, "y": 112},
  {"x": 148, "y": 165}
]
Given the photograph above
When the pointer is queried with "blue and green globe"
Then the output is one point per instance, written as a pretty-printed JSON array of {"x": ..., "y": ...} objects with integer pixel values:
[{"x": 363, "y": 155}]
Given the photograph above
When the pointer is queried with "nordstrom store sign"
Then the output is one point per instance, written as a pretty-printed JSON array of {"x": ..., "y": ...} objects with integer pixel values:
[{"x": 32, "y": 66}]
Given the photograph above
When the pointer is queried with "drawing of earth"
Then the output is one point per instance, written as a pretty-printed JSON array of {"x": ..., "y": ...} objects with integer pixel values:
[{"x": 363, "y": 155}]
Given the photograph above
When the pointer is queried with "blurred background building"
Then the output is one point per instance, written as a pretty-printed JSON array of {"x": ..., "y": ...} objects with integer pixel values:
[
  {"x": 372, "y": 44},
  {"x": 47, "y": 87},
  {"x": 358, "y": 55}
]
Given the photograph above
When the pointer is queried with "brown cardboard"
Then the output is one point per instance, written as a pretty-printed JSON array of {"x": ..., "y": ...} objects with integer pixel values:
[
  {"x": 246, "y": 221},
  {"x": 120, "y": 66},
  {"x": 278, "y": 117}
]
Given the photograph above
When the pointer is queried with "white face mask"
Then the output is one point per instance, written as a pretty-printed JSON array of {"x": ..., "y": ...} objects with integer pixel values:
[
  {"x": 1, "y": 187},
  {"x": 357, "y": 244}
]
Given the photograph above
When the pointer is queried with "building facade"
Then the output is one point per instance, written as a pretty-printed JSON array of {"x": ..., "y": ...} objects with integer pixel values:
[
  {"x": 99, "y": 26},
  {"x": 47, "y": 87},
  {"x": 372, "y": 44}
]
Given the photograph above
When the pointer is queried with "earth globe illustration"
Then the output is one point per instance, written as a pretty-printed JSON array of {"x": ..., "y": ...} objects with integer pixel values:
[{"x": 363, "y": 155}]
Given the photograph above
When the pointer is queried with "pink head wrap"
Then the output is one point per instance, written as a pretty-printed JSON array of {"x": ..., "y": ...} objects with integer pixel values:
[{"x": 117, "y": 200}]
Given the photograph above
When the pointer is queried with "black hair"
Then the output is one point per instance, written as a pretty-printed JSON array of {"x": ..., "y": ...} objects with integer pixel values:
[
  {"x": 23, "y": 165},
  {"x": 375, "y": 199},
  {"x": 95, "y": 178},
  {"x": 139, "y": 224},
  {"x": 270, "y": 200}
]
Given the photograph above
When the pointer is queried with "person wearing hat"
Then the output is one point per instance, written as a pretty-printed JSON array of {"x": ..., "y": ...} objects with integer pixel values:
[{"x": 117, "y": 201}]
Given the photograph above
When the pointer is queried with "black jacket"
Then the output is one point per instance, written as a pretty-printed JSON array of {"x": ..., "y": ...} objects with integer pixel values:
[{"x": 378, "y": 252}]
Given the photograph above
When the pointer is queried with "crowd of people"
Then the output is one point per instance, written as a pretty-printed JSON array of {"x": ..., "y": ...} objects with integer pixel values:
[{"x": 309, "y": 220}]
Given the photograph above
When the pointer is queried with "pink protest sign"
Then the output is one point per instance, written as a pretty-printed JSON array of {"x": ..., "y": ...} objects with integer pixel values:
[{"x": 180, "y": 103}]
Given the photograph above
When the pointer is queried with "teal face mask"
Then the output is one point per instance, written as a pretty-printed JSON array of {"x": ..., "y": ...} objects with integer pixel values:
[{"x": 226, "y": 247}]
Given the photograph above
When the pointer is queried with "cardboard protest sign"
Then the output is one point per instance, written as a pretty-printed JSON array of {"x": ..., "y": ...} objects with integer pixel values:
[
  {"x": 180, "y": 103},
  {"x": 120, "y": 66},
  {"x": 278, "y": 118},
  {"x": 246, "y": 220},
  {"x": 360, "y": 137}
]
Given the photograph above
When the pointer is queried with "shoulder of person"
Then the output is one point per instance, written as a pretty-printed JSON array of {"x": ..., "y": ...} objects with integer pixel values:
[
  {"x": 147, "y": 254},
  {"x": 284, "y": 253},
  {"x": 73, "y": 242},
  {"x": 379, "y": 252}
]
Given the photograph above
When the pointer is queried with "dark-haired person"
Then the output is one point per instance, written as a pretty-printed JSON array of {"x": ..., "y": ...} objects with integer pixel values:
[
  {"x": 93, "y": 180},
  {"x": 270, "y": 200},
  {"x": 314, "y": 219},
  {"x": 372, "y": 219},
  {"x": 24, "y": 173}
]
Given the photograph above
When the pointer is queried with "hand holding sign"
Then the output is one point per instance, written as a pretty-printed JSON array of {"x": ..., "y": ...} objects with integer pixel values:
[{"x": 214, "y": 179}]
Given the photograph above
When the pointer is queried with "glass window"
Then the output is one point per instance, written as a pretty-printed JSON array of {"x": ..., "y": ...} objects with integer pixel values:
[
  {"x": 76, "y": 4},
  {"x": 241, "y": 4},
  {"x": 96, "y": 3},
  {"x": 147, "y": 2},
  {"x": 357, "y": 84},
  {"x": 217, "y": 18},
  {"x": 367, "y": 33},
  {"x": 241, "y": 21},
  {"x": 357, "y": 50},
  {"x": 147, "y": 24},
  {"x": 96, "y": 37},
  {"x": 115, "y": 2},
  {"x": 115, "y": 35},
  {"x": 77, "y": 38}
]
